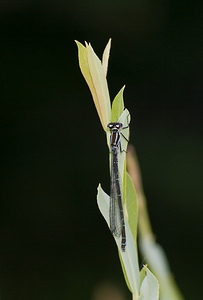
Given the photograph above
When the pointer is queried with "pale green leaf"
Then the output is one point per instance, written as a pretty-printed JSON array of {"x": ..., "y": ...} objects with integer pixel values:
[
  {"x": 94, "y": 74},
  {"x": 84, "y": 67},
  {"x": 129, "y": 257},
  {"x": 130, "y": 211},
  {"x": 157, "y": 260},
  {"x": 149, "y": 289},
  {"x": 154, "y": 256},
  {"x": 100, "y": 85},
  {"x": 105, "y": 57}
]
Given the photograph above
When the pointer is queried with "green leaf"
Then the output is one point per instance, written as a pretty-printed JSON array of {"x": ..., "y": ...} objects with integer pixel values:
[
  {"x": 142, "y": 275},
  {"x": 100, "y": 84},
  {"x": 105, "y": 57},
  {"x": 129, "y": 259},
  {"x": 131, "y": 207},
  {"x": 95, "y": 76},
  {"x": 117, "y": 106},
  {"x": 149, "y": 289}
]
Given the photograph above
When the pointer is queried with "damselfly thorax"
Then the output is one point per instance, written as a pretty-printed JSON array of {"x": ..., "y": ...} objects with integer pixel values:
[{"x": 115, "y": 135}]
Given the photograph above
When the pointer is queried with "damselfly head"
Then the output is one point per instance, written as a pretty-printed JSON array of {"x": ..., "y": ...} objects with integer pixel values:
[{"x": 115, "y": 126}]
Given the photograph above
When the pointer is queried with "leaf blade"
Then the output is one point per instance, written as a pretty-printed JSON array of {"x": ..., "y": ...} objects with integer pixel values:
[{"x": 129, "y": 259}]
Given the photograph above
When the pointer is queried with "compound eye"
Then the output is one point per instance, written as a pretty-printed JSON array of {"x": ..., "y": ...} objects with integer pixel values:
[
  {"x": 119, "y": 125},
  {"x": 110, "y": 125}
]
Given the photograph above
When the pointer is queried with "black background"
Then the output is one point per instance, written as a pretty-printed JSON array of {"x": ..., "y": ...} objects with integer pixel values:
[{"x": 54, "y": 244}]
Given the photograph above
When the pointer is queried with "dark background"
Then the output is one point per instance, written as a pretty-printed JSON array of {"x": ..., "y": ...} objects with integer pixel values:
[{"x": 54, "y": 244}]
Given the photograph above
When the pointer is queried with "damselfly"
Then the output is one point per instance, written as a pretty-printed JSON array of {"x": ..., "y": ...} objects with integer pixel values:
[{"x": 116, "y": 216}]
